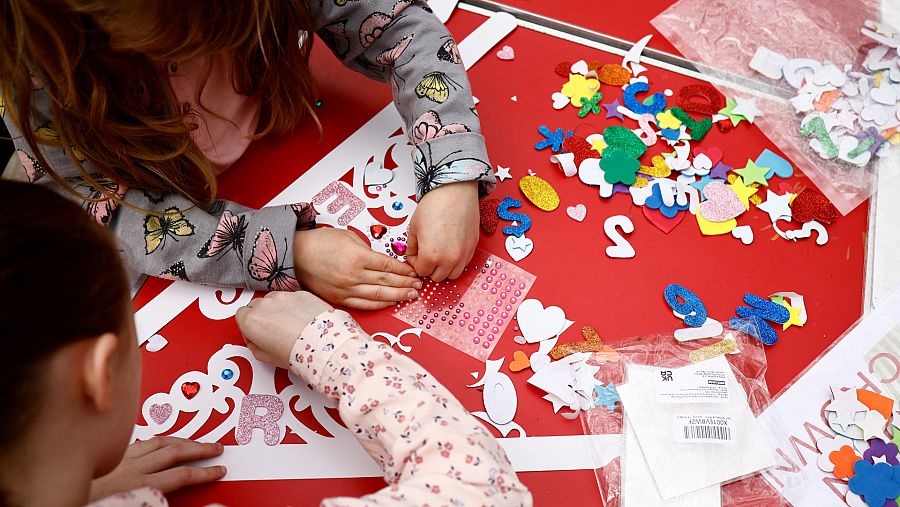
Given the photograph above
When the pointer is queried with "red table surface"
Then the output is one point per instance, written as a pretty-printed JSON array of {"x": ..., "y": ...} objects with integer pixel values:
[{"x": 618, "y": 297}]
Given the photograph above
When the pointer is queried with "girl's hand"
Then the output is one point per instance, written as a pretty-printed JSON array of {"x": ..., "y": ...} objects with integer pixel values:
[
  {"x": 157, "y": 463},
  {"x": 271, "y": 325},
  {"x": 339, "y": 266},
  {"x": 443, "y": 231}
]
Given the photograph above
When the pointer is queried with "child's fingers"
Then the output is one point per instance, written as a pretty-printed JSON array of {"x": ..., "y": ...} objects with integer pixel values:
[
  {"x": 440, "y": 272},
  {"x": 390, "y": 279},
  {"x": 457, "y": 271},
  {"x": 383, "y": 293},
  {"x": 180, "y": 451},
  {"x": 176, "y": 478},
  {"x": 357, "y": 303},
  {"x": 380, "y": 262}
]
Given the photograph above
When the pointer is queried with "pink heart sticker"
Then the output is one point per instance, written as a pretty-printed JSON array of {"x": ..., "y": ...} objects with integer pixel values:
[
  {"x": 714, "y": 154},
  {"x": 160, "y": 413},
  {"x": 577, "y": 212},
  {"x": 721, "y": 203},
  {"x": 506, "y": 53}
]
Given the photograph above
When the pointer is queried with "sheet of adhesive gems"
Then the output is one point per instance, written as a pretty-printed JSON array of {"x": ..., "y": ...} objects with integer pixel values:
[{"x": 472, "y": 312}]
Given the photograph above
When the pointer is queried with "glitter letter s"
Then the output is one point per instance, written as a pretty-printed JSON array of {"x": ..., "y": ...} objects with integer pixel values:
[{"x": 504, "y": 213}]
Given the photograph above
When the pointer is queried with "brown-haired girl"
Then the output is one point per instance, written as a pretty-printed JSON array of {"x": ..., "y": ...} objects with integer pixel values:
[
  {"x": 135, "y": 106},
  {"x": 69, "y": 385}
]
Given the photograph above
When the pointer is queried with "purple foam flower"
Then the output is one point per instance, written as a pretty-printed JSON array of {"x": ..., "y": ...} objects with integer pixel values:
[{"x": 881, "y": 449}]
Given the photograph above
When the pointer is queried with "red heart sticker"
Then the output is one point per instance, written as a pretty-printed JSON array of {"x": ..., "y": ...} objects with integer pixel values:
[
  {"x": 661, "y": 222},
  {"x": 811, "y": 205},
  {"x": 579, "y": 147},
  {"x": 487, "y": 208},
  {"x": 564, "y": 69},
  {"x": 190, "y": 389},
  {"x": 714, "y": 154}
]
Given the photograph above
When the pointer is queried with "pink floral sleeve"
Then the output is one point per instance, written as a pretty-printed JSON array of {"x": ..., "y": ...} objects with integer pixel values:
[
  {"x": 431, "y": 450},
  {"x": 143, "y": 497}
]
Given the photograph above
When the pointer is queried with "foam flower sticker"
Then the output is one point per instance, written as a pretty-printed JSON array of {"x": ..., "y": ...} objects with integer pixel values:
[
  {"x": 882, "y": 452},
  {"x": 874, "y": 482},
  {"x": 844, "y": 459},
  {"x": 619, "y": 167},
  {"x": 667, "y": 120},
  {"x": 579, "y": 89}
]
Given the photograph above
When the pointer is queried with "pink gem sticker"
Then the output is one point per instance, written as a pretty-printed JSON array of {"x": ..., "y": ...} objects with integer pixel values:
[{"x": 474, "y": 295}]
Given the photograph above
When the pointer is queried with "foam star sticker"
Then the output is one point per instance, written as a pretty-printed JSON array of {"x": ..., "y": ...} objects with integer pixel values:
[
  {"x": 845, "y": 401},
  {"x": 794, "y": 319},
  {"x": 843, "y": 419},
  {"x": 776, "y": 206},
  {"x": 747, "y": 109},
  {"x": 597, "y": 142},
  {"x": 606, "y": 396},
  {"x": 667, "y": 120},
  {"x": 743, "y": 191},
  {"x": 590, "y": 105},
  {"x": 580, "y": 88},
  {"x": 719, "y": 171},
  {"x": 872, "y": 425},
  {"x": 752, "y": 173},
  {"x": 728, "y": 111},
  {"x": 502, "y": 173},
  {"x": 612, "y": 110}
]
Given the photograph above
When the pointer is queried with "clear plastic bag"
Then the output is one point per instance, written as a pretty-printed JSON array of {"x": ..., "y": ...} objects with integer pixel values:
[
  {"x": 723, "y": 36},
  {"x": 748, "y": 364}
]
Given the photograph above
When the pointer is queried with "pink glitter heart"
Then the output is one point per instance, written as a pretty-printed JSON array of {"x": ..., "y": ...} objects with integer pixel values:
[
  {"x": 160, "y": 413},
  {"x": 506, "y": 53},
  {"x": 577, "y": 212},
  {"x": 721, "y": 203}
]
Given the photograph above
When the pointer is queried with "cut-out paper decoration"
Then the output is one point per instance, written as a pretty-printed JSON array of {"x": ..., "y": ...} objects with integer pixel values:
[
  {"x": 568, "y": 382},
  {"x": 376, "y": 174},
  {"x": 156, "y": 343},
  {"x": 541, "y": 358},
  {"x": 606, "y": 396},
  {"x": 621, "y": 248},
  {"x": 506, "y": 53},
  {"x": 753, "y": 319},
  {"x": 502, "y": 173},
  {"x": 538, "y": 323},
  {"x": 520, "y": 361},
  {"x": 877, "y": 402},
  {"x": 394, "y": 340},
  {"x": 874, "y": 483},
  {"x": 577, "y": 212},
  {"x": 743, "y": 233},
  {"x": 503, "y": 211},
  {"x": 499, "y": 393},
  {"x": 519, "y": 247},
  {"x": 632, "y": 59},
  {"x": 539, "y": 192},
  {"x": 472, "y": 312},
  {"x": 487, "y": 209},
  {"x": 686, "y": 304},
  {"x": 806, "y": 231}
]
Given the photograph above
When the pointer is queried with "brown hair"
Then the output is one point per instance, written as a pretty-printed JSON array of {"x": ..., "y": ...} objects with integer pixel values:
[
  {"x": 61, "y": 281},
  {"x": 103, "y": 65}
]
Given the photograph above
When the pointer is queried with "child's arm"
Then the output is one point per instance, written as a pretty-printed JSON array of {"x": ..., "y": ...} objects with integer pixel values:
[
  {"x": 404, "y": 43},
  {"x": 431, "y": 450}
]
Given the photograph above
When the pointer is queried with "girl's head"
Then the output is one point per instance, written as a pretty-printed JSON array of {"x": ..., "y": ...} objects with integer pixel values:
[
  {"x": 104, "y": 64},
  {"x": 69, "y": 353}
]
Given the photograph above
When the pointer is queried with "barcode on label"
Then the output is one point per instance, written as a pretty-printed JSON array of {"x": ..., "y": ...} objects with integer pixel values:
[{"x": 722, "y": 433}]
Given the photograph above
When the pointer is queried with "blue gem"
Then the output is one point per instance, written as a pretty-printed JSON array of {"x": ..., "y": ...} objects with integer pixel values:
[
  {"x": 227, "y": 374},
  {"x": 397, "y": 206}
]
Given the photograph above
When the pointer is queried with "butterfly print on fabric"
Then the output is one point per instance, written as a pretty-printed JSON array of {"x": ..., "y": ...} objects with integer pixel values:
[
  {"x": 430, "y": 174},
  {"x": 429, "y": 127},
  {"x": 336, "y": 37},
  {"x": 175, "y": 272},
  {"x": 306, "y": 216},
  {"x": 448, "y": 52},
  {"x": 154, "y": 197},
  {"x": 171, "y": 224},
  {"x": 98, "y": 203},
  {"x": 229, "y": 235},
  {"x": 33, "y": 169},
  {"x": 436, "y": 87},
  {"x": 265, "y": 267},
  {"x": 390, "y": 56}
]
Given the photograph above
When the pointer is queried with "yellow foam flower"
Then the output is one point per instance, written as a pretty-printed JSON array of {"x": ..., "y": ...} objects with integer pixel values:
[
  {"x": 580, "y": 88},
  {"x": 667, "y": 120}
]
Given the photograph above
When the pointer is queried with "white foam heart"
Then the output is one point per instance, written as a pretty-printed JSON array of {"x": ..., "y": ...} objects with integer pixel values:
[
  {"x": 884, "y": 94},
  {"x": 743, "y": 233},
  {"x": 560, "y": 101},
  {"x": 156, "y": 343},
  {"x": 577, "y": 212},
  {"x": 579, "y": 67},
  {"x": 375, "y": 174},
  {"x": 538, "y": 323},
  {"x": 829, "y": 74},
  {"x": 590, "y": 173},
  {"x": 519, "y": 248}
]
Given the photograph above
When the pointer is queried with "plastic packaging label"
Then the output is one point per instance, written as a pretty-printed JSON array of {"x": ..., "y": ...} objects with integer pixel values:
[
  {"x": 692, "y": 384},
  {"x": 704, "y": 429}
]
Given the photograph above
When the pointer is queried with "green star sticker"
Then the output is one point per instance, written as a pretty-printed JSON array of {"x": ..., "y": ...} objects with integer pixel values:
[
  {"x": 753, "y": 173},
  {"x": 727, "y": 111},
  {"x": 591, "y": 105}
]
